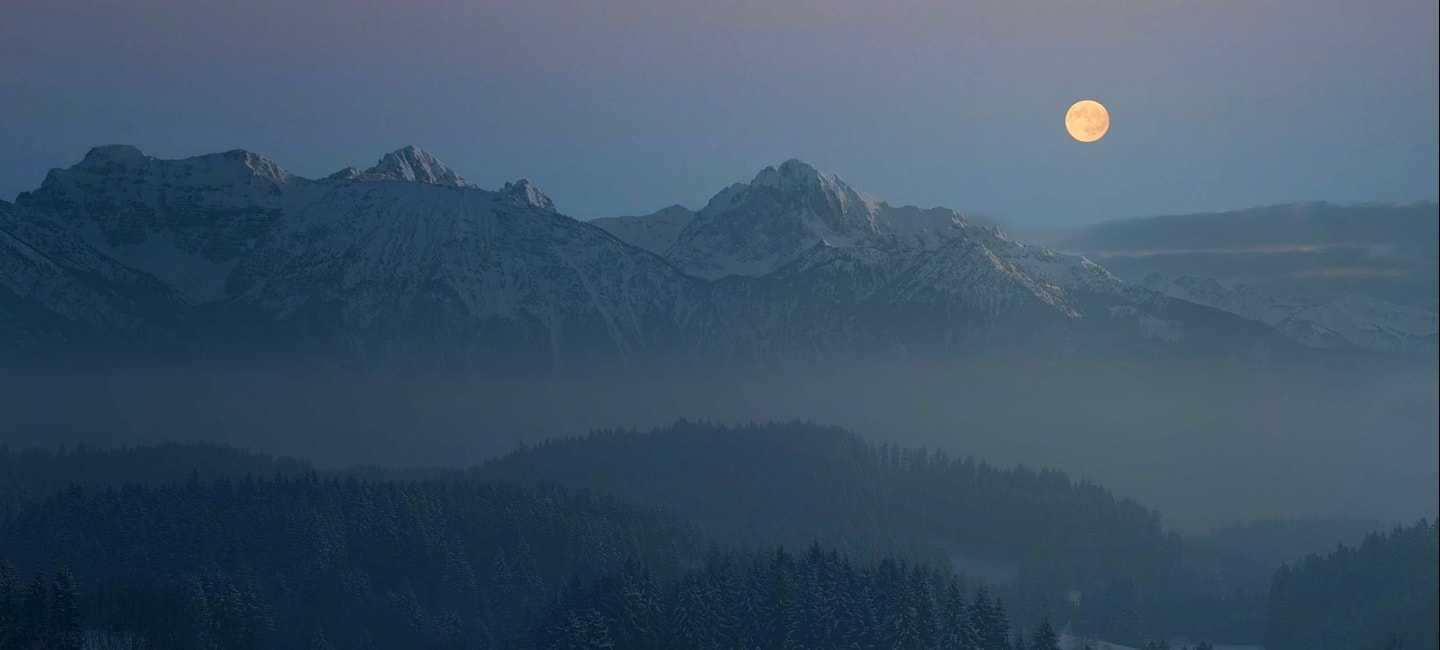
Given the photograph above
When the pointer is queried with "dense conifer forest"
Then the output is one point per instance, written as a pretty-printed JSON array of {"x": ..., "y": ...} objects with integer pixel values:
[
  {"x": 1380, "y": 594},
  {"x": 289, "y": 562},
  {"x": 766, "y": 536}
]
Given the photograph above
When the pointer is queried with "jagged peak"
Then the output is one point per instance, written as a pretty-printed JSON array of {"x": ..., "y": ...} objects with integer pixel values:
[
  {"x": 524, "y": 193},
  {"x": 413, "y": 164},
  {"x": 795, "y": 176}
]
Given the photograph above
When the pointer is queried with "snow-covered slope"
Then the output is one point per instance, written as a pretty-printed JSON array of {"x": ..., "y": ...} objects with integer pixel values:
[
  {"x": 54, "y": 288},
  {"x": 184, "y": 222},
  {"x": 1349, "y": 320},
  {"x": 404, "y": 269},
  {"x": 805, "y": 264}
]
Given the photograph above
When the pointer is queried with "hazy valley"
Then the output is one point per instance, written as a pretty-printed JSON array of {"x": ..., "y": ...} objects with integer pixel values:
[{"x": 397, "y": 325}]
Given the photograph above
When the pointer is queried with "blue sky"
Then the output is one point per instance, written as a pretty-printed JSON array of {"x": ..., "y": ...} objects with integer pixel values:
[{"x": 623, "y": 107}]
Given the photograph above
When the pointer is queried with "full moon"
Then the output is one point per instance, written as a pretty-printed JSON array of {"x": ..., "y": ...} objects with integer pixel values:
[{"x": 1087, "y": 120}]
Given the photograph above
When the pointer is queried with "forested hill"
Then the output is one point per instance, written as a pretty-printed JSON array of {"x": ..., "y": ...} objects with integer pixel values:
[
  {"x": 1067, "y": 548},
  {"x": 1049, "y": 544},
  {"x": 796, "y": 482},
  {"x": 197, "y": 546},
  {"x": 1380, "y": 595},
  {"x": 311, "y": 563}
]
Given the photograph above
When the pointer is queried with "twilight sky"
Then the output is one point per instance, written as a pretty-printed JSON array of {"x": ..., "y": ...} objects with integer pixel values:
[{"x": 625, "y": 106}]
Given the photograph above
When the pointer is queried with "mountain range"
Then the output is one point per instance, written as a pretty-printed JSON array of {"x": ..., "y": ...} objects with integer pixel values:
[{"x": 229, "y": 257}]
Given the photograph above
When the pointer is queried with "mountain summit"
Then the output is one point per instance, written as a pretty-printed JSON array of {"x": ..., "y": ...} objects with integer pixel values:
[
  {"x": 754, "y": 228},
  {"x": 524, "y": 193},
  {"x": 751, "y": 229},
  {"x": 413, "y": 164}
]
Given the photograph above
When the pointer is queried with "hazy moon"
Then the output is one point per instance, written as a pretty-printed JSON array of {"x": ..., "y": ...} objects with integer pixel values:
[{"x": 1087, "y": 120}]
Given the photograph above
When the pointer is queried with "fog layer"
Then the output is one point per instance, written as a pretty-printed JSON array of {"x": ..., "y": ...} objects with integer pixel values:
[{"x": 1204, "y": 444}]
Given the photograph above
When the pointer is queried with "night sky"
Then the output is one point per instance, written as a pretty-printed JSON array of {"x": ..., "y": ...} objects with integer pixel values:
[{"x": 623, "y": 107}]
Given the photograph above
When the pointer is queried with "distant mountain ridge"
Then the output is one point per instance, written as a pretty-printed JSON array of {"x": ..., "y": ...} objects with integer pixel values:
[
  {"x": 1328, "y": 276},
  {"x": 1345, "y": 321},
  {"x": 406, "y": 264},
  {"x": 655, "y": 232},
  {"x": 1316, "y": 222}
]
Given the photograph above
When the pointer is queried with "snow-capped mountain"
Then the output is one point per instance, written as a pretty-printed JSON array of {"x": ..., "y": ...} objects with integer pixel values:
[
  {"x": 184, "y": 222},
  {"x": 407, "y": 264},
  {"x": 401, "y": 259},
  {"x": 757, "y": 227},
  {"x": 805, "y": 265}
]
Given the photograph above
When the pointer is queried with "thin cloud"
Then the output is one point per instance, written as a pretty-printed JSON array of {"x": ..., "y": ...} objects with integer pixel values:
[
  {"x": 1367, "y": 247},
  {"x": 1349, "y": 272}
]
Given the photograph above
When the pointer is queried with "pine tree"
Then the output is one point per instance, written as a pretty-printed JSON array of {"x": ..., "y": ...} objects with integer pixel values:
[
  {"x": 64, "y": 632},
  {"x": 989, "y": 620},
  {"x": 34, "y": 615},
  {"x": 319, "y": 641},
  {"x": 1000, "y": 626},
  {"x": 9, "y": 606},
  {"x": 1044, "y": 637},
  {"x": 959, "y": 628}
]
